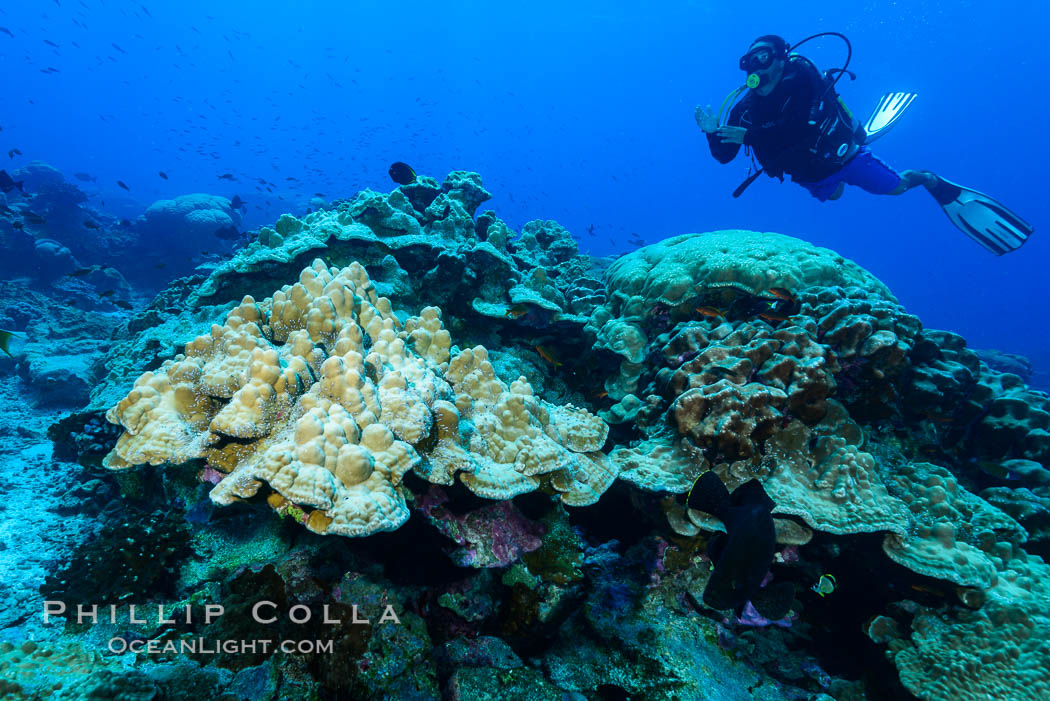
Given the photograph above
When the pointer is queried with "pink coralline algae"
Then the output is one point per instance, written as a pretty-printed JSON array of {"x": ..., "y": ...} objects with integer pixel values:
[
  {"x": 495, "y": 535},
  {"x": 210, "y": 474}
]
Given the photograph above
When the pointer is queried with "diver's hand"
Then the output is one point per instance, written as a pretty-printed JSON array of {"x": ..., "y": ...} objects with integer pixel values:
[
  {"x": 732, "y": 135},
  {"x": 706, "y": 119}
]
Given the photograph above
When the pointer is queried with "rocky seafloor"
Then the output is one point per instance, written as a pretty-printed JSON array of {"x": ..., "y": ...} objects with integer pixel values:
[{"x": 452, "y": 457}]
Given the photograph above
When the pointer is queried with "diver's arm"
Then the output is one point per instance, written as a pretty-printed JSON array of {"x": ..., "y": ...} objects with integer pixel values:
[{"x": 723, "y": 151}]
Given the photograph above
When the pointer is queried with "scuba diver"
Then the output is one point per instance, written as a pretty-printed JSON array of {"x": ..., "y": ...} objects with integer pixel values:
[{"x": 792, "y": 121}]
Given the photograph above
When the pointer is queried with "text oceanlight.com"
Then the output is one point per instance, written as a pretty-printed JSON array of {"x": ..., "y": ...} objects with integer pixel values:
[{"x": 200, "y": 646}]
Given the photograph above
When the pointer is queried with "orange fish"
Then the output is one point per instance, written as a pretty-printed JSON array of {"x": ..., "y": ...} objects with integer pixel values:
[
  {"x": 709, "y": 311},
  {"x": 548, "y": 355},
  {"x": 773, "y": 316},
  {"x": 601, "y": 395},
  {"x": 518, "y": 310},
  {"x": 781, "y": 293}
]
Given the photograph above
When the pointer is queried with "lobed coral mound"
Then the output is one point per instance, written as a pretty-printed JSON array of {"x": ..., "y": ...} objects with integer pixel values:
[{"x": 322, "y": 393}]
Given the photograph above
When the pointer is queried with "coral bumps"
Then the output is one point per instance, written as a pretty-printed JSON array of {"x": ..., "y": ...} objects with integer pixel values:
[{"x": 322, "y": 393}]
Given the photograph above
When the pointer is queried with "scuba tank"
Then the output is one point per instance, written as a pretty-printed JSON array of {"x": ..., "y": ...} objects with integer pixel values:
[{"x": 839, "y": 134}]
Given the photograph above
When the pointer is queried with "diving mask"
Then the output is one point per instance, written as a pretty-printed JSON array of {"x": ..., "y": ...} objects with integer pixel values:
[{"x": 757, "y": 59}]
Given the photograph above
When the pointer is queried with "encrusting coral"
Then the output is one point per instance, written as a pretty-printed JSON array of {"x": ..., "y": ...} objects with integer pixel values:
[{"x": 324, "y": 394}]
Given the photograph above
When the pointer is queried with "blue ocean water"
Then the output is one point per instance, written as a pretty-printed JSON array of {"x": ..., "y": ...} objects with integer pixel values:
[{"x": 580, "y": 112}]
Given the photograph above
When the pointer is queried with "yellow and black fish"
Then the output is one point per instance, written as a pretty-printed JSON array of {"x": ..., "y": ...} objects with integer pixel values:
[
  {"x": 5, "y": 340},
  {"x": 402, "y": 173}
]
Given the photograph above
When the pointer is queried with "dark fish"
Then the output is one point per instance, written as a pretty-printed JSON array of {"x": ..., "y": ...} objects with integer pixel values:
[
  {"x": 402, "y": 173},
  {"x": 85, "y": 177},
  {"x": 81, "y": 272},
  {"x": 237, "y": 202},
  {"x": 743, "y": 554},
  {"x": 228, "y": 233},
  {"x": 6, "y": 31},
  {"x": 121, "y": 183},
  {"x": 13, "y": 152},
  {"x": 50, "y": 43},
  {"x": 108, "y": 293},
  {"x": 118, "y": 48},
  {"x": 7, "y": 184},
  {"x": 227, "y": 176},
  {"x": 92, "y": 224},
  {"x": 124, "y": 222},
  {"x": 122, "y": 304},
  {"x": 162, "y": 174},
  {"x": 590, "y": 230},
  {"x": 158, "y": 266},
  {"x": 34, "y": 218}
]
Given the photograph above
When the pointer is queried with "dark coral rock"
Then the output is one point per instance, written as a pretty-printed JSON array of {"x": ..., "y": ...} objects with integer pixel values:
[
  {"x": 138, "y": 556},
  {"x": 83, "y": 437}
]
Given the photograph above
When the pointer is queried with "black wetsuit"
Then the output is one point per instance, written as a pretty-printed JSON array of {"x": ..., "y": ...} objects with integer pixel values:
[{"x": 778, "y": 128}]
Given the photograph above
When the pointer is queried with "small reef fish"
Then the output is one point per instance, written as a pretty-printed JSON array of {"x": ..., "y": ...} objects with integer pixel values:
[
  {"x": 7, "y": 183},
  {"x": 516, "y": 311},
  {"x": 85, "y": 177},
  {"x": 743, "y": 554},
  {"x": 92, "y": 224},
  {"x": 121, "y": 184},
  {"x": 162, "y": 174},
  {"x": 227, "y": 176},
  {"x": 237, "y": 202},
  {"x": 825, "y": 585},
  {"x": 81, "y": 272},
  {"x": 402, "y": 173},
  {"x": 5, "y": 340},
  {"x": 6, "y": 31},
  {"x": 782, "y": 294},
  {"x": 13, "y": 152},
  {"x": 709, "y": 311},
  {"x": 122, "y": 304},
  {"x": 548, "y": 355},
  {"x": 108, "y": 293},
  {"x": 995, "y": 469},
  {"x": 773, "y": 316}
]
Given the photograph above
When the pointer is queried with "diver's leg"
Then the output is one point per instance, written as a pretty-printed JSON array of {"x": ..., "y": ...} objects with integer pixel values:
[
  {"x": 838, "y": 192},
  {"x": 914, "y": 178}
]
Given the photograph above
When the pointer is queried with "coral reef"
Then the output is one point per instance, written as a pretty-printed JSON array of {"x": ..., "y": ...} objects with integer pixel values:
[{"x": 507, "y": 431}]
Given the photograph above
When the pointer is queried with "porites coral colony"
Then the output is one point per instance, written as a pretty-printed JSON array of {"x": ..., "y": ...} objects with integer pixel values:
[{"x": 322, "y": 393}]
